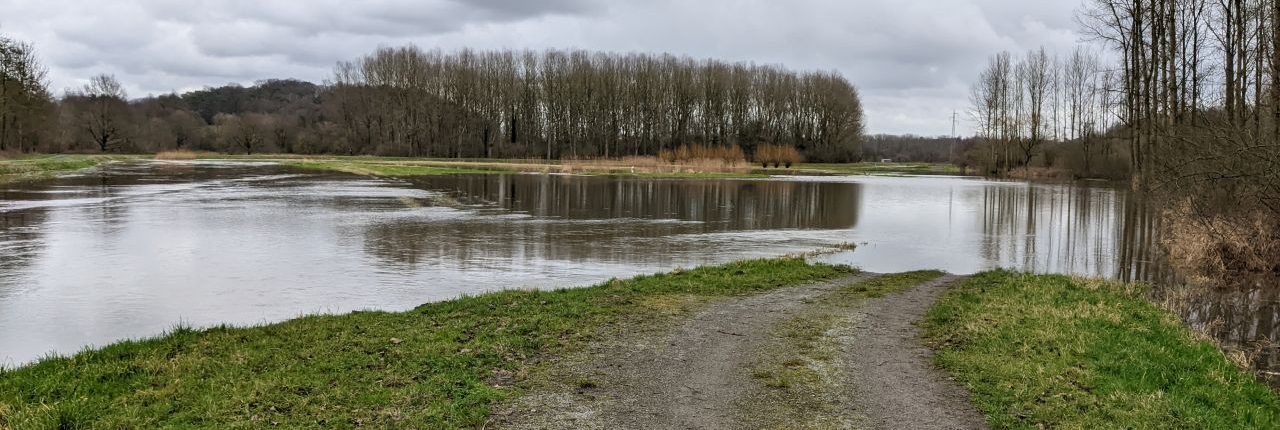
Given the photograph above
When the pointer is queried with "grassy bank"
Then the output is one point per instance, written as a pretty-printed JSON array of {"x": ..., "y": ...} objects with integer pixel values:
[
  {"x": 47, "y": 166},
  {"x": 1058, "y": 352},
  {"x": 441, "y": 365}
]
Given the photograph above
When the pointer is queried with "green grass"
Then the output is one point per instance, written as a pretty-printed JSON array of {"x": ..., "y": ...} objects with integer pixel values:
[
  {"x": 802, "y": 383},
  {"x": 441, "y": 365},
  {"x": 1058, "y": 352},
  {"x": 47, "y": 166}
]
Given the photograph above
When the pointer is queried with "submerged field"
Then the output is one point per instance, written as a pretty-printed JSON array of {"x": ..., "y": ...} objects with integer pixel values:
[
  {"x": 42, "y": 167},
  {"x": 47, "y": 166}
]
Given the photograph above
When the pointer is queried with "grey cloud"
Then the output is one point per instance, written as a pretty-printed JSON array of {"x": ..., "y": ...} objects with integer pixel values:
[
  {"x": 393, "y": 18},
  {"x": 911, "y": 59}
]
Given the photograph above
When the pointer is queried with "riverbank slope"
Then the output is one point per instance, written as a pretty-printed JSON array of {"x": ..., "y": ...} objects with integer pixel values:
[{"x": 1051, "y": 351}]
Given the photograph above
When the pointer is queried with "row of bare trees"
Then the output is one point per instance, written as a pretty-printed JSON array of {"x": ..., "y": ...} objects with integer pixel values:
[
  {"x": 1197, "y": 103},
  {"x": 408, "y": 101},
  {"x": 558, "y": 104},
  {"x": 1198, "y": 85},
  {"x": 1021, "y": 104}
]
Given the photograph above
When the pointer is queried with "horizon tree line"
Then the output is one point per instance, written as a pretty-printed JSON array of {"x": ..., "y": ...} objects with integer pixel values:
[
  {"x": 558, "y": 104},
  {"x": 406, "y": 101}
]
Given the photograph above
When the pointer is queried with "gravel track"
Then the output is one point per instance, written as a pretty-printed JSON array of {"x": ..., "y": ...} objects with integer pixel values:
[{"x": 691, "y": 373}]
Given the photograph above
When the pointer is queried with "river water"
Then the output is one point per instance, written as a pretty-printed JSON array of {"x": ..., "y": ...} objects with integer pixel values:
[{"x": 132, "y": 249}]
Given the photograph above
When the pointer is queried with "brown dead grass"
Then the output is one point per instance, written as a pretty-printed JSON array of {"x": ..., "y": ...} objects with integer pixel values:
[
  {"x": 180, "y": 154},
  {"x": 1029, "y": 172},
  {"x": 685, "y": 159},
  {"x": 777, "y": 155},
  {"x": 729, "y": 154},
  {"x": 1218, "y": 245},
  {"x": 651, "y": 165}
]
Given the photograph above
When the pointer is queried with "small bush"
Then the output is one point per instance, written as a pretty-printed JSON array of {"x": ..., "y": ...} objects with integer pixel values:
[{"x": 777, "y": 155}]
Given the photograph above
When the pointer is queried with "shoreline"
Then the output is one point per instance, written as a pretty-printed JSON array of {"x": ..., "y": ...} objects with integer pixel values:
[
  {"x": 41, "y": 167},
  {"x": 46, "y": 166}
]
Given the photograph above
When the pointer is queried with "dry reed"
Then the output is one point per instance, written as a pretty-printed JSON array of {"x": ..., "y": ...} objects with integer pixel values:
[
  {"x": 683, "y": 159},
  {"x": 1032, "y": 172},
  {"x": 1218, "y": 245},
  {"x": 777, "y": 155},
  {"x": 179, "y": 154}
]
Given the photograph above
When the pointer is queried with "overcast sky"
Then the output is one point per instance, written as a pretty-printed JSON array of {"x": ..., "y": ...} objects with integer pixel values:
[{"x": 912, "y": 60}]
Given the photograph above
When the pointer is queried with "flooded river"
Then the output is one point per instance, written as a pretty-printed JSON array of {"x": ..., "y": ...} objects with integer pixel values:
[{"x": 133, "y": 249}]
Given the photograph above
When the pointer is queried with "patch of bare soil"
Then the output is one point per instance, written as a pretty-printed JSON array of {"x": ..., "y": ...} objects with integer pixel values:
[{"x": 891, "y": 379}]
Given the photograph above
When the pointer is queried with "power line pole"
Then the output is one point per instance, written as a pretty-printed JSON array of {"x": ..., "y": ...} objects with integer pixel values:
[{"x": 954, "y": 137}]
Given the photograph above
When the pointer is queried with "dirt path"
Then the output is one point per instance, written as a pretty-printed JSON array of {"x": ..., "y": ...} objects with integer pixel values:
[
  {"x": 693, "y": 373},
  {"x": 891, "y": 379}
]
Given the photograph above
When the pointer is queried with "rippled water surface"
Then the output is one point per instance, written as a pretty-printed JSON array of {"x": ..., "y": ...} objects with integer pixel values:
[{"x": 130, "y": 250}]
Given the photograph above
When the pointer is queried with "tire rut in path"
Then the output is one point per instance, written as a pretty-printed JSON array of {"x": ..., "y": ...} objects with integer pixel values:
[{"x": 891, "y": 377}]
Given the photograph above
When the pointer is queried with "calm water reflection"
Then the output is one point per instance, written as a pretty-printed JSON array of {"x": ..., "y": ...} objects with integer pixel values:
[
  {"x": 136, "y": 248},
  {"x": 1244, "y": 317}
]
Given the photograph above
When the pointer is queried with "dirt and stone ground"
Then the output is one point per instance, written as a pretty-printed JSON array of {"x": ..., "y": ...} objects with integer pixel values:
[{"x": 746, "y": 363}]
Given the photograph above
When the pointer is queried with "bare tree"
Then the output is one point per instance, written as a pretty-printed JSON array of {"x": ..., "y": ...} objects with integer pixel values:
[
  {"x": 102, "y": 112},
  {"x": 1034, "y": 73},
  {"x": 25, "y": 103}
]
